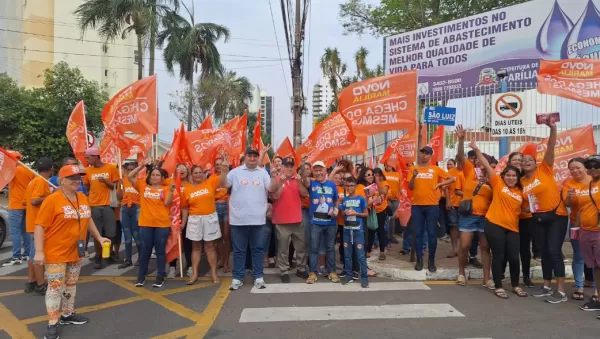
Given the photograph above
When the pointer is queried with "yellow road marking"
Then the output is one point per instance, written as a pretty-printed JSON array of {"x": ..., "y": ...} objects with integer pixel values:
[
  {"x": 164, "y": 302},
  {"x": 88, "y": 309},
  {"x": 11, "y": 325},
  {"x": 185, "y": 289},
  {"x": 6, "y": 294},
  {"x": 207, "y": 318},
  {"x": 82, "y": 280}
]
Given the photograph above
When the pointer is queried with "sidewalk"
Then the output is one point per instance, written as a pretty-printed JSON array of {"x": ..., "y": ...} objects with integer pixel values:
[{"x": 398, "y": 266}]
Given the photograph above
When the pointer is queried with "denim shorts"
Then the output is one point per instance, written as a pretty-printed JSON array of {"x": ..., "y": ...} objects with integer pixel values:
[
  {"x": 222, "y": 211},
  {"x": 471, "y": 223},
  {"x": 31, "y": 246},
  {"x": 452, "y": 217}
]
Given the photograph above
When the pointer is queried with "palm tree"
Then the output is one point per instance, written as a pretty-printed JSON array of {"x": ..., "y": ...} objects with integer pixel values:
[
  {"x": 333, "y": 68},
  {"x": 189, "y": 45},
  {"x": 234, "y": 94},
  {"x": 360, "y": 58}
]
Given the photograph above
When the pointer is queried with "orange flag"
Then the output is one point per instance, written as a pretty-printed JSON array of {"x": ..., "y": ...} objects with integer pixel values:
[
  {"x": 331, "y": 139},
  {"x": 172, "y": 246},
  {"x": 77, "y": 132},
  {"x": 238, "y": 138},
  {"x": 286, "y": 150},
  {"x": 170, "y": 162},
  {"x": 256, "y": 142},
  {"x": 565, "y": 150},
  {"x": 141, "y": 144},
  {"x": 359, "y": 146},
  {"x": 575, "y": 79},
  {"x": 8, "y": 167},
  {"x": 207, "y": 123},
  {"x": 402, "y": 149},
  {"x": 437, "y": 144},
  {"x": 108, "y": 150},
  {"x": 267, "y": 158},
  {"x": 203, "y": 146},
  {"x": 381, "y": 104},
  {"x": 134, "y": 109}
]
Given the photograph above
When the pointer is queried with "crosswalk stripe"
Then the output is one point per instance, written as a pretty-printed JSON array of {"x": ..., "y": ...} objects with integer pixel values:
[
  {"x": 5, "y": 255},
  {"x": 331, "y": 287},
  {"x": 403, "y": 311},
  {"x": 112, "y": 270}
]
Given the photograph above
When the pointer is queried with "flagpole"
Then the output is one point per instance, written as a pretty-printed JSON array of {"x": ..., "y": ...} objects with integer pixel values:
[
  {"x": 119, "y": 164},
  {"x": 36, "y": 173},
  {"x": 180, "y": 262}
]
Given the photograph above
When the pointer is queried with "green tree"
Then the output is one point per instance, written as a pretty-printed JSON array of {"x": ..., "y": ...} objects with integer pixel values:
[
  {"x": 334, "y": 69},
  {"x": 189, "y": 44},
  {"x": 360, "y": 59},
  {"x": 398, "y": 16},
  {"x": 36, "y": 119}
]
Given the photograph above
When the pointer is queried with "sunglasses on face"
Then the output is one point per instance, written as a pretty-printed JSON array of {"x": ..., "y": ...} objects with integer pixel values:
[{"x": 592, "y": 165}]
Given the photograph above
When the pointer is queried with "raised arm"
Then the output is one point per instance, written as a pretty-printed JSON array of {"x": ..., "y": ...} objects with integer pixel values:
[
  {"x": 549, "y": 156},
  {"x": 263, "y": 154},
  {"x": 335, "y": 171},
  {"x": 489, "y": 171},
  {"x": 460, "y": 134},
  {"x": 132, "y": 176},
  {"x": 223, "y": 181}
]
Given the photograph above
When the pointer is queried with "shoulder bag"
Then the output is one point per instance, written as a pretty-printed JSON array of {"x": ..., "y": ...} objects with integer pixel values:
[{"x": 465, "y": 207}]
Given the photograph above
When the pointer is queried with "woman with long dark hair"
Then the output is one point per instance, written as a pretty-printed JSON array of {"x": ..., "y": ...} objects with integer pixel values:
[
  {"x": 381, "y": 205},
  {"x": 185, "y": 178}
]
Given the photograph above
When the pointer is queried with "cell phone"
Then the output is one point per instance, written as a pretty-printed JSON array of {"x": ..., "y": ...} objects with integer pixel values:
[
  {"x": 543, "y": 118},
  {"x": 80, "y": 248}
]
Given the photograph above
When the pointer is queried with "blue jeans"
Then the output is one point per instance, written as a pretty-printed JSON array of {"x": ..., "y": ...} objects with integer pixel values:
[
  {"x": 407, "y": 237},
  {"x": 425, "y": 219},
  {"x": 153, "y": 237},
  {"x": 16, "y": 227},
  {"x": 327, "y": 233},
  {"x": 131, "y": 230},
  {"x": 240, "y": 237},
  {"x": 306, "y": 224},
  {"x": 357, "y": 243}
]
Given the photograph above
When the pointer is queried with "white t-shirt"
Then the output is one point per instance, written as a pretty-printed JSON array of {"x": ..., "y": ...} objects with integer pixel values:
[{"x": 248, "y": 199}]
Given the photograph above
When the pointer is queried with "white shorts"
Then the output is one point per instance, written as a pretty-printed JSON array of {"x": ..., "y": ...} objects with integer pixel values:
[{"x": 203, "y": 227}]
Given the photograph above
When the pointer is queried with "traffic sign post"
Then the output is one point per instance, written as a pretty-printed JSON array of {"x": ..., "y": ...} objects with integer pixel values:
[
  {"x": 438, "y": 115},
  {"x": 91, "y": 139},
  {"x": 508, "y": 117}
]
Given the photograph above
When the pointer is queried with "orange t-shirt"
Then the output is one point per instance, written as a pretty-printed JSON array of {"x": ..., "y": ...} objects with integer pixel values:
[
  {"x": 222, "y": 195},
  {"x": 130, "y": 195},
  {"x": 200, "y": 199},
  {"x": 543, "y": 186},
  {"x": 481, "y": 202},
  {"x": 581, "y": 192},
  {"x": 455, "y": 199},
  {"x": 64, "y": 222},
  {"x": 360, "y": 190},
  {"x": 37, "y": 188},
  {"x": 506, "y": 205},
  {"x": 384, "y": 203},
  {"x": 341, "y": 195},
  {"x": 394, "y": 179},
  {"x": 153, "y": 212},
  {"x": 424, "y": 193},
  {"x": 99, "y": 193},
  {"x": 17, "y": 186},
  {"x": 588, "y": 210}
]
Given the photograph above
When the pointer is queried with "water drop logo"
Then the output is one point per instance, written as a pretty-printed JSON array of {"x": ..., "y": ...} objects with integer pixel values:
[
  {"x": 553, "y": 32},
  {"x": 584, "y": 39}
]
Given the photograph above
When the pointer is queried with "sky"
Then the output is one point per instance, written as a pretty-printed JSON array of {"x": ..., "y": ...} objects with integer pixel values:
[{"x": 253, "y": 36}]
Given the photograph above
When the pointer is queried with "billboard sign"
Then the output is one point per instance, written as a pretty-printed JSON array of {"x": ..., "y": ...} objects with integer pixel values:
[{"x": 468, "y": 52}]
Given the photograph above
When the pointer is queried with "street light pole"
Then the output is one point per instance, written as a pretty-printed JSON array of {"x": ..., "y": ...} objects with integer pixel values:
[{"x": 298, "y": 103}]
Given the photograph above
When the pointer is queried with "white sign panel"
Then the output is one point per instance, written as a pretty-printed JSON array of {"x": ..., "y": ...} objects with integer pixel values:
[
  {"x": 508, "y": 117},
  {"x": 468, "y": 52}
]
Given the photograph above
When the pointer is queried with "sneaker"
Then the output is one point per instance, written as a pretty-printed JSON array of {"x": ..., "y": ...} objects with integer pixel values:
[
  {"x": 323, "y": 271},
  {"x": 285, "y": 278},
  {"x": 51, "y": 332},
  {"x": 260, "y": 283},
  {"x": 140, "y": 283},
  {"x": 302, "y": 275},
  {"x": 153, "y": 256},
  {"x": 334, "y": 277},
  {"x": 41, "y": 289},
  {"x": 73, "y": 319},
  {"x": 98, "y": 264},
  {"x": 557, "y": 298},
  {"x": 591, "y": 306},
  {"x": 312, "y": 278},
  {"x": 346, "y": 280},
  {"x": 355, "y": 275},
  {"x": 12, "y": 262},
  {"x": 527, "y": 282},
  {"x": 24, "y": 258},
  {"x": 475, "y": 263},
  {"x": 125, "y": 264},
  {"x": 235, "y": 284},
  {"x": 545, "y": 292},
  {"x": 364, "y": 284},
  {"x": 190, "y": 272},
  {"x": 342, "y": 274},
  {"x": 30, "y": 287},
  {"x": 158, "y": 282},
  {"x": 171, "y": 273}
]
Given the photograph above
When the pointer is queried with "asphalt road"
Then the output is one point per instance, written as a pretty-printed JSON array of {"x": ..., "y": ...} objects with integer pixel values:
[{"x": 388, "y": 309}]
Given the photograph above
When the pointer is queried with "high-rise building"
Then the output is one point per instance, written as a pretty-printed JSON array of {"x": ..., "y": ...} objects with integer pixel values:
[
  {"x": 322, "y": 97},
  {"x": 37, "y": 34},
  {"x": 261, "y": 100}
]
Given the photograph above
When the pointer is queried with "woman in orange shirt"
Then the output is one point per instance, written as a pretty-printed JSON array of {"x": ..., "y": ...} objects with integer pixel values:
[
  {"x": 130, "y": 213},
  {"x": 199, "y": 213},
  {"x": 61, "y": 228},
  {"x": 381, "y": 205},
  {"x": 186, "y": 179},
  {"x": 222, "y": 204},
  {"x": 502, "y": 223},
  {"x": 549, "y": 213},
  {"x": 154, "y": 222}
]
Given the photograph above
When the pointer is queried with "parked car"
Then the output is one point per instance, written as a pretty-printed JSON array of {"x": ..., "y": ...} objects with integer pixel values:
[{"x": 3, "y": 224}]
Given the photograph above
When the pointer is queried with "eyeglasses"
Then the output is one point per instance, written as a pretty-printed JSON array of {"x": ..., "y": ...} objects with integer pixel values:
[
  {"x": 368, "y": 175},
  {"x": 592, "y": 165}
]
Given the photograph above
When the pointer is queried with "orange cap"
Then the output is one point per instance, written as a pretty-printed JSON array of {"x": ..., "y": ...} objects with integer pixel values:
[
  {"x": 69, "y": 170},
  {"x": 530, "y": 149}
]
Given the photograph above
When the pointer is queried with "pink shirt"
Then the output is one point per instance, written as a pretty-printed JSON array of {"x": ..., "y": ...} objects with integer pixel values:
[{"x": 287, "y": 209}]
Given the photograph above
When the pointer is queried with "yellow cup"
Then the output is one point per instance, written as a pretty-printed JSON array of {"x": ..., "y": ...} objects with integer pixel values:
[{"x": 105, "y": 250}]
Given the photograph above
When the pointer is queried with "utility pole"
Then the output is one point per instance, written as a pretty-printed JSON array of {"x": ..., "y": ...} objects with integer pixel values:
[{"x": 298, "y": 100}]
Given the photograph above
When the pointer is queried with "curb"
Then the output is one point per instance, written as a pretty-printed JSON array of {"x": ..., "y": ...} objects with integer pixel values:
[{"x": 398, "y": 273}]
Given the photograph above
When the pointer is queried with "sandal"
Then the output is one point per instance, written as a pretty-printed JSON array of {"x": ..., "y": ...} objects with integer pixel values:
[
  {"x": 577, "y": 295},
  {"x": 519, "y": 291},
  {"x": 371, "y": 273},
  {"x": 191, "y": 281},
  {"x": 216, "y": 281},
  {"x": 490, "y": 285},
  {"x": 226, "y": 270},
  {"x": 381, "y": 256},
  {"x": 501, "y": 293},
  {"x": 461, "y": 281}
]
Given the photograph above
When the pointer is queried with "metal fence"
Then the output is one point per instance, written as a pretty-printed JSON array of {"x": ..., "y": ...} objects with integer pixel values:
[{"x": 474, "y": 111}]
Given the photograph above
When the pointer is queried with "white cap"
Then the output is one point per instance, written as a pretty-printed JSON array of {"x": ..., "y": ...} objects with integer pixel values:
[{"x": 318, "y": 163}]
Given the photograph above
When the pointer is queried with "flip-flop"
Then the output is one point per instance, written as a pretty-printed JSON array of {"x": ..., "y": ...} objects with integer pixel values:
[
  {"x": 577, "y": 296},
  {"x": 216, "y": 281},
  {"x": 501, "y": 293}
]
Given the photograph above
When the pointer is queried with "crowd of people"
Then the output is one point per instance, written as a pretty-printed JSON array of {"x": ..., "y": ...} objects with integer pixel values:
[{"x": 292, "y": 215}]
